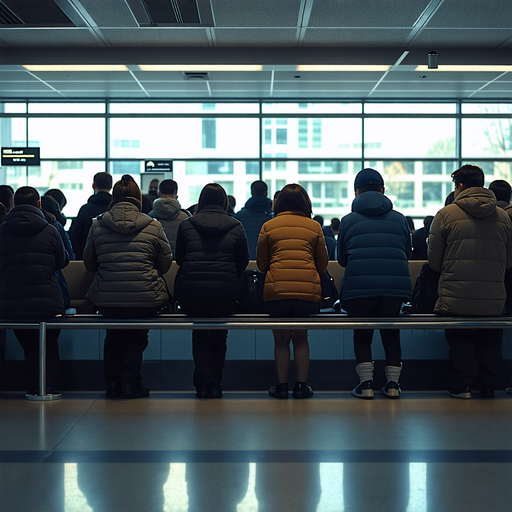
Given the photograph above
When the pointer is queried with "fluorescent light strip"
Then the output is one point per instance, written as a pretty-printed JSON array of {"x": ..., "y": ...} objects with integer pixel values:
[
  {"x": 200, "y": 67},
  {"x": 472, "y": 68},
  {"x": 343, "y": 67},
  {"x": 75, "y": 67}
]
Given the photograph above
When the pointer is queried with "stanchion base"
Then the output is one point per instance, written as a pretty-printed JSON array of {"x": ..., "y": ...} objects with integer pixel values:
[{"x": 41, "y": 398}]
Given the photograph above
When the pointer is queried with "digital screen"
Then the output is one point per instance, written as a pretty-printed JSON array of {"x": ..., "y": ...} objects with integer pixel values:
[
  {"x": 158, "y": 166},
  {"x": 21, "y": 156}
]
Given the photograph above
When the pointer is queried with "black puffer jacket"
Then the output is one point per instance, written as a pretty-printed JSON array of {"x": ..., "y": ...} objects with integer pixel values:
[
  {"x": 211, "y": 249},
  {"x": 129, "y": 253},
  {"x": 31, "y": 250}
]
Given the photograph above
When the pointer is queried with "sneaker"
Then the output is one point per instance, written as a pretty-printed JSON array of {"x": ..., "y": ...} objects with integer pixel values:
[
  {"x": 364, "y": 390},
  {"x": 460, "y": 393},
  {"x": 391, "y": 389},
  {"x": 279, "y": 391},
  {"x": 508, "y": 390},
  {"x": 302, "y": 390}
]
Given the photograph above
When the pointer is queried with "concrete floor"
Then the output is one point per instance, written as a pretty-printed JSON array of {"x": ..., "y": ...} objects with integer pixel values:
[{"x": 426, "y": 452}]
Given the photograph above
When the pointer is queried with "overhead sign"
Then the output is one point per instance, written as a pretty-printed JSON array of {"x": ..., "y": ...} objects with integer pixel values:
[
  {"x": 21, "y": 156},
  {"x": 158, "y": 166}
]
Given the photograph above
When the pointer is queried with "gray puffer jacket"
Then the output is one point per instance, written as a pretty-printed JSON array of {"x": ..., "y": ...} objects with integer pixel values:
[
  {"x": 129, "y": 253},
  {"x": 470, "y": 243},
  {"x": 168, "y": 212}
]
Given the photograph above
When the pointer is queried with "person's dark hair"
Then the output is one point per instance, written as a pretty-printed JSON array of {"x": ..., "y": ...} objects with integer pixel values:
[
  {"x": 469, "y": 176},
  {"x": 293, "y": 197},
  {"x": 374, "y": 187},
  {"x": 319, "y": 219},
  {"x": 259, "y": 188},
  {"x": 212, "y": 194},
  {"x": 126, "y": 187},
  {"x": 3, "y": 213},
  {"x": 103, "y": 180},
  {"x": 231, "y": 201},
  {"x": 6, "y": 196},
  {"x": 410, "y": 223},
  {"x": 449, "y": 198},
  {"x": 168, "y": 188},
  {"x": 427, "y": 221},
  {"x": 154, "y": 180},
  {"x": 26, "y": 195},
  {"x": 276, "y": 193},
  {"x": 502, "y": 190},
  {"x": 58, "y": 196},
  {"x": 335, "y": 223}
]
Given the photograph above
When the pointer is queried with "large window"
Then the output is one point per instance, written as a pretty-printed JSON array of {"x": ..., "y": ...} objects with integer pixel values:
[{"x": 322, "y": 145}]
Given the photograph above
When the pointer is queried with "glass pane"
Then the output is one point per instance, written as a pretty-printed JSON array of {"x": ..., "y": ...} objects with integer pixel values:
[
  {"x": 496, "y": 170},
  {"x": 311, "y": 108},
  {"x": 13, "y": 132},
  {"x": 73, "y": 178},
  {"x": 312, "y": 138},
  {"x": 409, "y": 138},
  {"x": 66, "y": 108},
  {"x": 13, "y": 108},
  {"x": 410, "y": 108},
  {"x": 235, "y": 177},
  {"x": 184, "y": 108},
  {"x": 68, "y": 137},
  {"x": 486, "y": 138},
  {"x": 486, "y": 108},
  {"x": 148, "y": 138}
]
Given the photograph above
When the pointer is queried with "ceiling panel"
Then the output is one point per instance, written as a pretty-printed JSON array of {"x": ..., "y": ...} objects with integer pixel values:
[
  {"x": 106, "y": 95},
  {"x": 110, "y": 13},
  {"x": 473, "y": 14},
  {"x": 84, "y": 76},
  {"x": 326, "y": 76},
  {"x": 66, "y": 87},
  {"x": 56, "y": 37},
  {"x": 156, "y": 36},
  {"x": 354, "y": 37},
  {"x": 24, "y": 86},
  {"x": 172, "y": 87},
  {"x": 422, "y": 86},
  {"x": 255, "y": 37},
  {"x": 256, "y": 13},
  {"x": 15, "y": 76},
  {"x": 325, "y": 86},
  {"x": 367, "y": 13},
  {"x": 462, "y": 37},
  {"x": 31, "y": 94},
  {"x": 443, "y": 76},
  {"x": 240, "y": 86}
]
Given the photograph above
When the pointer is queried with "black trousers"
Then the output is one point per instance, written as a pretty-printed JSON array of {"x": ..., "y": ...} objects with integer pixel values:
[
  {"x": 124, "y": 348},
  {"x": 475, "y": 357},
  {"x": 375, "y": 307},
  {"x": 209, "y": 346},
  {"x": 29, "y": 341},
  {"x": 3, "y": 336}
]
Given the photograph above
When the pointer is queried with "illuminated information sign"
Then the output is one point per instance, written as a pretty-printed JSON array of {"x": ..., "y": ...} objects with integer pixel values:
[
  {"x": 158, "y": 166},
  {"x": 21, "y": 156}
]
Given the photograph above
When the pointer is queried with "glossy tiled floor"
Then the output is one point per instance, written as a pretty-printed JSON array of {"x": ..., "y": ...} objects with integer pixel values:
[{"x": 247, "y": 452}]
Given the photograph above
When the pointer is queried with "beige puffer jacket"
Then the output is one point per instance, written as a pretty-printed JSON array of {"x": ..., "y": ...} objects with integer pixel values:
[
  {"x": 291, "y": 249},
  {"x": 470, "y": 243}
]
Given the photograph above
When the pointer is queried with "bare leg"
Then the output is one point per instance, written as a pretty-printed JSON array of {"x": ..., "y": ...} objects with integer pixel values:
[
  {"x": 282, "y": 353},
  {"x": 301, "y": 353}
]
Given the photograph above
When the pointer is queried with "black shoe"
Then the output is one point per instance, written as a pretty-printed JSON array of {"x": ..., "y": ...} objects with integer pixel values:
[
  {"x": 302, "y": 390},
  {"x": 487, "y": 392},
  {"x": 202, "y": 391},
  {"x": 134, "y": 390},
  {"x": 464, "y": 393},
  {"x": 114, "y": 389},
  {"x": 279, "y": 391},
  {"x": 215, "y": 391}
]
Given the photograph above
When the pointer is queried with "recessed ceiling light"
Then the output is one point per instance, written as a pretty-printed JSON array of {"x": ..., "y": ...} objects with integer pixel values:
[
  {"x": 463, "y": 67},
  {"x": 343, "y": 67},
  {"x": 200, "y": 67},
  {"x": 75, "y": 67}
]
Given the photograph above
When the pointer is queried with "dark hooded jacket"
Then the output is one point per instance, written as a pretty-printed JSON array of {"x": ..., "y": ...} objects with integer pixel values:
[
  {"x": 253, "y": 215},
  {"x": 374, "y": 243},
  {"x": 168, "y": 212},
  {"x": 211, "y": 249},
  {"x": 31, "y": 250},
  {"x": 129, "y": 253},
  {"x": 96, "y": 204},
  {"x": 470, "y": 244}
]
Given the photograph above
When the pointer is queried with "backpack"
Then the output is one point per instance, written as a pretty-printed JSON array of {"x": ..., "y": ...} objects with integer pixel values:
[
  {"x": 250, "y": 292},
  {"x": 330, "y": 293},
  {"x": 424, "y": 295}
]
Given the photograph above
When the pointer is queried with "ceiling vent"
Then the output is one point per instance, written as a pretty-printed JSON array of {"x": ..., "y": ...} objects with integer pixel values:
[
  {"x": 198, "y": 75},
  {"x": 169, "y": 13},
  {"x": 7, "y": 17},
  {"x": 31, "y": 13}
]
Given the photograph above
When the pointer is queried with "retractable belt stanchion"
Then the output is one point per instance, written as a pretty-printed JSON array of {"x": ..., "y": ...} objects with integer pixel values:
[{"x": 42, "y": 396}]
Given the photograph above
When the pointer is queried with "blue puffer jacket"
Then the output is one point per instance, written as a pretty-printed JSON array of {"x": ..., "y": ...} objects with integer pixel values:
[
  {"x": 253, "y": 215},
  {"x": 374, "y": 243}
]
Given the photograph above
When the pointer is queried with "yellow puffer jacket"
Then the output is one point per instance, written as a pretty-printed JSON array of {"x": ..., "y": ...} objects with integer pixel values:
[{"x": 291, "y": 250}]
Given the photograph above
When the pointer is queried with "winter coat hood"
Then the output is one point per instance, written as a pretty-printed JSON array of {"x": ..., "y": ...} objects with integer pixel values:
[
  {"x": 26, "y": 220},
  {"x": 100, "y": 198},
  {"x": 124, "y": 217},
  {"x": 372, "y": 203},
  {"x": 477, "y": 201},
  {"x": 213, "y": 225},
  {"x": 165, "y": 208},
  {"x": 260, "y": 203}
]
